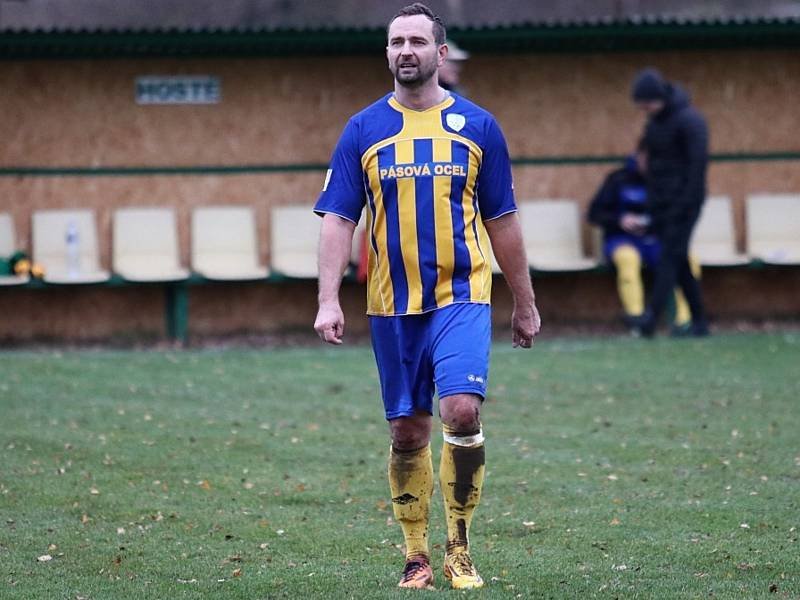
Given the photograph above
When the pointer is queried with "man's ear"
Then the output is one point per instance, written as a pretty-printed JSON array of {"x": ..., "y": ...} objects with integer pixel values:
[{"x": 443, "y": 50}]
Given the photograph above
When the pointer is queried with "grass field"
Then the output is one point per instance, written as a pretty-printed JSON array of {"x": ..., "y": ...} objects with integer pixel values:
[{"x": 616, "y": 468}]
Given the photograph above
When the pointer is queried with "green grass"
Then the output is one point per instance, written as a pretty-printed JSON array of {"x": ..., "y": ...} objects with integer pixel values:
[{"x": 616, "y": 468}]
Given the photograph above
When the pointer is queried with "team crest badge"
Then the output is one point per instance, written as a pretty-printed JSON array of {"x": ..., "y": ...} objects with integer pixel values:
[{"x": 455, "y": 121}]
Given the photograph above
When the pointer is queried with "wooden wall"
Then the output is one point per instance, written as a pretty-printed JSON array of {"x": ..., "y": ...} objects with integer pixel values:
[{"x": 290, "y": 111}]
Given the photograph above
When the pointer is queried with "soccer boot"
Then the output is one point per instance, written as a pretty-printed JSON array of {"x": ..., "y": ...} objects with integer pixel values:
[
  {"x": 644, "y": 324},
  {"x": 458, "y": 568},
  {"x": 417, "y": 574}
]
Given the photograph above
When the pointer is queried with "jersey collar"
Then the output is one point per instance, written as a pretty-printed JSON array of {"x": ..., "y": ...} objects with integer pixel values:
[{"x": 448, "y": 101}]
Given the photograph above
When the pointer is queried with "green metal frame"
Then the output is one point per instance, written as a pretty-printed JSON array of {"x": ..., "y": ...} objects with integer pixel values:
[{"x": 119, "y": 171}]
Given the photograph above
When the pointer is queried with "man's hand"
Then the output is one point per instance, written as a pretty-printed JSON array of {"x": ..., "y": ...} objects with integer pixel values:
[
  {"x": 525, "y": 324},
  {"x": 330, "y": 323},
  {"x": 633, "y": 224},
  {"x": 335, "y": 242}
]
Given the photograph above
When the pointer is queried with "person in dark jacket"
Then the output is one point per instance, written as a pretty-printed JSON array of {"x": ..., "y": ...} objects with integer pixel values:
[
  {"x": 676, "y": 141},
  {"x": 450, "y": 71},
  {"x": 620, "y": 209}
]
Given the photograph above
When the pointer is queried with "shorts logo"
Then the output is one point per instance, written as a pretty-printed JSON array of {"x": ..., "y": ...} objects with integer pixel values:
[
  {"x": 455, "y": 121},
  {"x": 476, "y": 379}
]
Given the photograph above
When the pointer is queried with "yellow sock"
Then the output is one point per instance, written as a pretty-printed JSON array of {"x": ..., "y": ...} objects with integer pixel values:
[
  {"x": 628, "y": 263},
  {"x": 411, "y": 482},
  {"x": 461, "y": 480},
  {"x": 682, "y": 313}
]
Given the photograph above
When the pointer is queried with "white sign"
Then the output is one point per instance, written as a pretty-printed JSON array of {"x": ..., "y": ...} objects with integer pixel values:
[{"x": 201, "y": 89}]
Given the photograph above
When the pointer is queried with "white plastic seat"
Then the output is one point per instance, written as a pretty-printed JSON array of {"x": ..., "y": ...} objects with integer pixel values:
[
  {"x": 551, "y": 230},
  {"x": 50, "y": 246},
  {"x": 294, "y": 239},
  {"x": 8, "y": 246},
  {"x": 360, "y": 231},
  {"x": 224, "y": 243},
  {"x": 714, "y": 238},
  {"x": 495, "y": 265},
  {"x": 773, "y": 228},
  {"x": 145, "y": 245}
]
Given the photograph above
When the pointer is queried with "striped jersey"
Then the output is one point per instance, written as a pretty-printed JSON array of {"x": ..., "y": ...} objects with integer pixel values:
[{"x": 429, "y": 179}]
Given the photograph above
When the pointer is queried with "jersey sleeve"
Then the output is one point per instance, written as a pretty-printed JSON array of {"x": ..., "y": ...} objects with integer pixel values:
[
  {"x": 343, "y": 191},
  {"x": 495, "y": 185}
]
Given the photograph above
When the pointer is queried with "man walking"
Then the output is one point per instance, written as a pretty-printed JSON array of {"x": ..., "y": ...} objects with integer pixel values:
[
  {"x": 433, "y": 171},
  {"x": 676, "y": 141}
]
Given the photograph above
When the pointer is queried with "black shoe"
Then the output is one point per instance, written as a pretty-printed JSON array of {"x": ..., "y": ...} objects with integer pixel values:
[
  {"x": 682, "y": 330},
  {"x": 643, "y": 325},
  {"x": 630, "y": 323},
  {"x": 690, "y": 329}
]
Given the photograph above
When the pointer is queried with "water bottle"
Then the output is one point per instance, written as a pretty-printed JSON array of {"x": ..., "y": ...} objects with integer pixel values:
[{"x": 73, "y": 250}]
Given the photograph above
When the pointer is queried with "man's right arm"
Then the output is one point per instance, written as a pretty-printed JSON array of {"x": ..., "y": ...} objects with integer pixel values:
[
  {"x": 340, "y": 206},
  {"x": 335, "y": 242}
]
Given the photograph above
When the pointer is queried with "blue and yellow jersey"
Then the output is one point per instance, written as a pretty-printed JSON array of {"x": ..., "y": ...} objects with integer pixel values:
[{"x": 429, "y": 179}]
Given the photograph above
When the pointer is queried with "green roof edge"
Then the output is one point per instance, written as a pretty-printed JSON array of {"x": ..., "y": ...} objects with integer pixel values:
[{"x": 596, "y": 37}]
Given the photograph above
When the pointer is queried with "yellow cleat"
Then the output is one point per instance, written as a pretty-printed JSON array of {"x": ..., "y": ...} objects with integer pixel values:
[
  {"x": 458, "y": 568},
  {"x": 417, "y": 574}
]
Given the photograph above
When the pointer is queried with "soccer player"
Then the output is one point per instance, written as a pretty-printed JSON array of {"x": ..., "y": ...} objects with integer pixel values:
[{"x": 433, "y": 171}]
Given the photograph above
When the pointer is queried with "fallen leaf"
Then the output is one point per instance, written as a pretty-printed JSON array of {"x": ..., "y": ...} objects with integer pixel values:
[
  {"x": 45, "y": 558},
  {"x": 237, "y": 573}
]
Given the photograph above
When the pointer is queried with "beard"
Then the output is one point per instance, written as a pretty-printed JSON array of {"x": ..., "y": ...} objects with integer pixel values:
[{"x": 414, "y": 77}]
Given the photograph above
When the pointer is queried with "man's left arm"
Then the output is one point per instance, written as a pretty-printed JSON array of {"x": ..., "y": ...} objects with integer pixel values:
[
  {"x": 694, "y": 133},
  {"x": 505, "y": 234},
  {"x": 499, "y": 213}
]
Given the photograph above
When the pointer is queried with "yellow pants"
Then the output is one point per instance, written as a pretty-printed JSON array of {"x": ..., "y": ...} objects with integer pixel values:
[{"x": 630, "y": 288}]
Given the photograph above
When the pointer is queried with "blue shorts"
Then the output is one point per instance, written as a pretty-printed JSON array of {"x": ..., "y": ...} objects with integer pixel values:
[
  {"x": 648, "y": 247},
  {"x": 446, "y": 349}
]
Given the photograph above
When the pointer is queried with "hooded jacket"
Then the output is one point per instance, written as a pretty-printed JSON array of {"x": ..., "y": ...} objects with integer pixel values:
[{"x": 676, "y": 139}]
